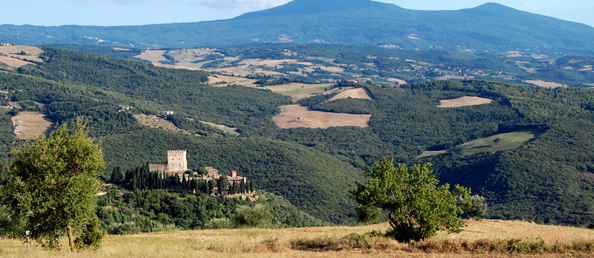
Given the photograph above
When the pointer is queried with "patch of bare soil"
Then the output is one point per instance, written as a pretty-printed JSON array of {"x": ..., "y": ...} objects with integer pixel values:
[
  {"x": 295, "y": 116},
  {"x": 454, "y": 77},
  {"x": 121, "y": 49},
  {"x": 153, "y": 56},
  {"x": 545, "y": 84},
  {"x": 157, "y": 122},
  {"x": 359, "y": 93},
  {"x": 30, "y": 125},
  {"x": 464, "y": 102},
  {"x": 399, "y": 81}
]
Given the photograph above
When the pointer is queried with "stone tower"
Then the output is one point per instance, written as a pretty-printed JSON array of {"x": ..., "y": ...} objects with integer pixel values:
[{"x": 176, "y": 161}]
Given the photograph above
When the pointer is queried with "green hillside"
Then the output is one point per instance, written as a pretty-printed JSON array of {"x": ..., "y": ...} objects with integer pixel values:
[
  {"x": 487, "y": 28},
  {"x": 546, "y": 179}
]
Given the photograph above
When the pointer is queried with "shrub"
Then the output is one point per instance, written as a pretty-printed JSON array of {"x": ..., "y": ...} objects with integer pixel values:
[
  {"x": 474, "y": 206},
  {"x": 128, "y": 228},
  {"x": 256, "y": 216},
  {"x": 218, "y": 223},
  {"x": 90, "y": 238}
]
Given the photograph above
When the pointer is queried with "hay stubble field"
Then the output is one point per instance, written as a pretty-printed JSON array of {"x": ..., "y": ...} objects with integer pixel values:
[{"x": 284, "y": 242}]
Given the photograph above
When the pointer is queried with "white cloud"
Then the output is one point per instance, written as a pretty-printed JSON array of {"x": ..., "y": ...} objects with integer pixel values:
[{"x": 219, "y": 4}]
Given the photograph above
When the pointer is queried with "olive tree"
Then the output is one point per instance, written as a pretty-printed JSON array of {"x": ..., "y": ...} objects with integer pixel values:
[
  {"x": 473, "y": 207},
  {"x": 417, "y": 208},
  {"x": 54, "y": 182}
]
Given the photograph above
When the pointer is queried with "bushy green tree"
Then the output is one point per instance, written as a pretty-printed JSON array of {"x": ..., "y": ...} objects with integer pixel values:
[
  {"x": 416, "y": 207},
  {"x": 474, "y": 206},
  {"x": 256, "y": 216},
  {"x": 367, "y": 214},
  {"x": 54, "y": 183}
]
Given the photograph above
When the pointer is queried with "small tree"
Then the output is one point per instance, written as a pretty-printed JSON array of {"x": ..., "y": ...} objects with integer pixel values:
[
  {"x": 416, "y": 207},
  {"x": 366, "y": 214},
  {"x": 223, "y": 185},
  {"x": 54, "y": 183},
  {"x": 474, "y": 206},
  {"x": 257, "y": 216}
]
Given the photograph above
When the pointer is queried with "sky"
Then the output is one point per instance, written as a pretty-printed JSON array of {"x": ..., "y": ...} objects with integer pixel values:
[{"x": 139, "y": 12}]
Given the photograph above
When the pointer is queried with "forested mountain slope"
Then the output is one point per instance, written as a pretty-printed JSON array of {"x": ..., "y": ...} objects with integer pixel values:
[
  {"x": 490, "y": 27},
  {"x": 547, "y": 178}
]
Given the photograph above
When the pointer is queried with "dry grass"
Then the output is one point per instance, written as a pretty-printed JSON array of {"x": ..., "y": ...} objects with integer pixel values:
[
  {"x": 359, "y": 93},
  {"x": 13, "y": 62},
  {"x": 30, "y": 125},
  {"x": 224, "y": 128},
  {"x": 223, "y": 80},
  {"x": 463, "y": 102},
  {"x": 481, "y": 238},
  {"x": 153, "y": 56},
  {"x": 399, "y": 81},
  {"x": 157, "y": 122},
  {"x": 299, "y": 91},
  {"x": 295, "y": 116},
  {"x": 11, "y": 55},
  {"x": 545, "y": 84}
]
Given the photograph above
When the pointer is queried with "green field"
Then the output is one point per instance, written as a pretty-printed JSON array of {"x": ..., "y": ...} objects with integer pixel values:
[{"x": 495, "y": 143}]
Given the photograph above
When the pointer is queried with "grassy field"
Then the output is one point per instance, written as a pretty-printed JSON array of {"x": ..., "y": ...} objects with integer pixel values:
[
  {"x": 495, "y": 143},
  {"x": 299, "y": 91},
  {"x": 329, "y": 242}
]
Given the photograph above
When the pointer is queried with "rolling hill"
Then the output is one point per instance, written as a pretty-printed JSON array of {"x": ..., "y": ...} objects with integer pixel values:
[
  {"x": 487, "y": 28},
  {"x": 547, "y": 179}
]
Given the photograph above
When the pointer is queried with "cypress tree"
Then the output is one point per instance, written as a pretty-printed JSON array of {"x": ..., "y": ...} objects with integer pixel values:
[
  {"x": 183, "y": 185},
  {"x": 242, "y": 187}
]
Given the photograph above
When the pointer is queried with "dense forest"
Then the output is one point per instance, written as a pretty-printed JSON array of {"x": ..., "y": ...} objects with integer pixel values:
[{"x": 547, "y": 179}]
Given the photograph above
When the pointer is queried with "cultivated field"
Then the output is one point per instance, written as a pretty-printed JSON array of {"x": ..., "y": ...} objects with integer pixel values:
[
  {"x": 295, "y": 116},
  {"x": 223, "y": 80},
  {"x": 331, "y": 240},
  {"x": 359, "y": 93},
  {"x": 299, "y": 91},
  {"x": 545, "y": 84},
  {"x": 463, "y": 102},
  {"x": 11, "y": 55},
  {"x": 30, "y": 125}
]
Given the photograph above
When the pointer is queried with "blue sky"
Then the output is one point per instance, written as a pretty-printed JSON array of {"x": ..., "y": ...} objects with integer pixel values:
[{"x": 138, "y": 12}]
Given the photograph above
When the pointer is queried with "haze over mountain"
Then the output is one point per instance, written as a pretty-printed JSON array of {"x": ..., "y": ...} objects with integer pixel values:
[{"x": 490, "y": 27}]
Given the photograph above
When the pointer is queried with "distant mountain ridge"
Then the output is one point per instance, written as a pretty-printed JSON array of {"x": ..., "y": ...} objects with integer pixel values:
[{"x": 487, "y": 28}]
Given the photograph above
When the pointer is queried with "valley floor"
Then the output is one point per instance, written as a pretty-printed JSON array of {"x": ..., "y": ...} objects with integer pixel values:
[{"x": 282, "y": 242}]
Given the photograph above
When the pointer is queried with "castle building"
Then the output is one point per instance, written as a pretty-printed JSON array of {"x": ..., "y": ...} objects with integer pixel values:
[{"x": 176, "y": 163}]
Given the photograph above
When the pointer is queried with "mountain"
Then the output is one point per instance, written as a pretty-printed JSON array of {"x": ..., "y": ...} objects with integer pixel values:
[{"x": 490, "y": 28}]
